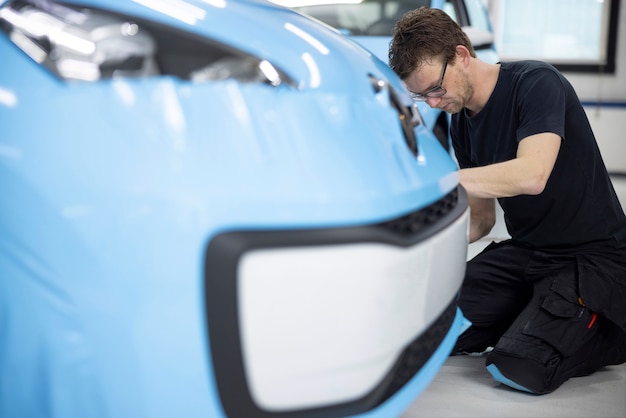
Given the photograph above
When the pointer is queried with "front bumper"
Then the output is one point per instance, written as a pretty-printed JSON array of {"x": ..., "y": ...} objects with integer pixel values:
[{"x": 326, "y": 322}]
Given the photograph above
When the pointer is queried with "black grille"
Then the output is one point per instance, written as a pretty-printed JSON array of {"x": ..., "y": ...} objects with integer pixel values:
[
  {"x": 418, "y": 220},
  {"x": 420, "y": 351}
]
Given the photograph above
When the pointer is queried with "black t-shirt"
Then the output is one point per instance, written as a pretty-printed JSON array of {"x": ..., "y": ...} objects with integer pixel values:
[{"x": 578, "y": 208}]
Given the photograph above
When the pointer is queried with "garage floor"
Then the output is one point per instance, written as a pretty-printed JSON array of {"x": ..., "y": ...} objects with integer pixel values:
[{"x": 464, "y": 388}]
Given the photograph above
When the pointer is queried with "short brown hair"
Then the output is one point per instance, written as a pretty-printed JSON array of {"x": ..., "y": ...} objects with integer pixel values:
[{"x": 423, "y": 35}]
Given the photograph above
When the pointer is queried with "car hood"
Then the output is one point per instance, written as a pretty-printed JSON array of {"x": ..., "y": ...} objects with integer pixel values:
[{"x": 327, "y": 149}]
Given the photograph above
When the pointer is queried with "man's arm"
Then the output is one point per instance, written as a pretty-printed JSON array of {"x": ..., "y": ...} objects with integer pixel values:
[
  {"x": 527, "y": 173},
  {"x": 482, "y": 217}
]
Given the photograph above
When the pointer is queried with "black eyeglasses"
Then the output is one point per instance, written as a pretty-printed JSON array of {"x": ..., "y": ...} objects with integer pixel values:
[{"x": 436, "y": 91}]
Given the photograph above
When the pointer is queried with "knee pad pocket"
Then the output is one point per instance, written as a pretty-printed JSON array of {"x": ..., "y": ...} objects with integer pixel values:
[
  {"x": 562, "y": 321},
  {"x": 520, "y": 373}
]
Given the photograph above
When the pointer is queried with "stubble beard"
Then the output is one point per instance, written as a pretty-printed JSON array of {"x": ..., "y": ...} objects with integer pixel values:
[{"x": 467, "y": 91}]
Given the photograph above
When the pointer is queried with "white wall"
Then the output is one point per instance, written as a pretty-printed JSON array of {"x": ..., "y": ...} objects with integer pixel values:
[
  {"x": 608, "y": 87},
  {"x": 590, "y": 87},
  {"x": 609, "y": 123},
  {"x": 609, "y": 127}
]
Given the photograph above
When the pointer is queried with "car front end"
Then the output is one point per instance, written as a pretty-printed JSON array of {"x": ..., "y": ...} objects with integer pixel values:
[{"x": 216, "y": 208}]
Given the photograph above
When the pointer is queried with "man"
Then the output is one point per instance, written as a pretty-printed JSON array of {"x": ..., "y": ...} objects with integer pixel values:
[{"x": 551, "y": 301}]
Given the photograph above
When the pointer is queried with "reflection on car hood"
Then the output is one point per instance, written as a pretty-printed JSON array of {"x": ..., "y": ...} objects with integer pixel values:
[{"x": 307, "y": 51}]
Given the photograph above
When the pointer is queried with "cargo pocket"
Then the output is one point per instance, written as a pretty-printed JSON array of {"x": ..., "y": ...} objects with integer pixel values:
[{"x": 562, "y": 321}]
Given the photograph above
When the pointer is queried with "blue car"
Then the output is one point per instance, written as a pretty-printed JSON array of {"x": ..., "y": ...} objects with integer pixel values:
[{"x": 215, "y": 209}]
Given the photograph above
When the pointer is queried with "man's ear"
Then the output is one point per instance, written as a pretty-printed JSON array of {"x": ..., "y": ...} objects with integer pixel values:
[{"x": 463, "y": 55}]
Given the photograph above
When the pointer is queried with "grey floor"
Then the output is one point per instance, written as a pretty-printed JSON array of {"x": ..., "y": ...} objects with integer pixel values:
[{"x": 464, "y": 388}]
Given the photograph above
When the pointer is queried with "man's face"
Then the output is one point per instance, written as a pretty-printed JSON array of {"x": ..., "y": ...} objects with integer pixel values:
[{"x": 440, "y": 85}]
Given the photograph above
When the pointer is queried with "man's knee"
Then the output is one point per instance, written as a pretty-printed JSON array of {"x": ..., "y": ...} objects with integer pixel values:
[
  {"x": 534, "y": 353},
  {"x": 542, "y": 369},
  {"x": 525, "y": 374}
]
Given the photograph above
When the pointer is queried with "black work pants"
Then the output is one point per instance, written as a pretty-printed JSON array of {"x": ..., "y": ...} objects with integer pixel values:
[{"x": 526, "y": 304}]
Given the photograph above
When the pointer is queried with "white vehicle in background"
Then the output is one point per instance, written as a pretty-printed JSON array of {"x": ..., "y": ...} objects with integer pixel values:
[{"x": 370, "y": 22}]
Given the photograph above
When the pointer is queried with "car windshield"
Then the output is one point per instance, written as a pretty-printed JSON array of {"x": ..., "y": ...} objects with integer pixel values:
[{"x": 369, "y": 17}]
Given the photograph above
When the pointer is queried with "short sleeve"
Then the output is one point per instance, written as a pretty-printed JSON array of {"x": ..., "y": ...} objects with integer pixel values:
[{"x": 541, "y": 106}]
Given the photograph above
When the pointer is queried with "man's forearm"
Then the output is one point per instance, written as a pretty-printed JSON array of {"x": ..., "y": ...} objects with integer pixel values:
[{"x": 479, "y": 227}]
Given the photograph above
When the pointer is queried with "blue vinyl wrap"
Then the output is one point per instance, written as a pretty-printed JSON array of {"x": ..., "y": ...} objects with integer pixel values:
[{"x": 110, "y": 192}]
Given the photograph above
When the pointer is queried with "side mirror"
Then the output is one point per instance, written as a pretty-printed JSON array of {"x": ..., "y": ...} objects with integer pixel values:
[{"x": 480, "y": 38}]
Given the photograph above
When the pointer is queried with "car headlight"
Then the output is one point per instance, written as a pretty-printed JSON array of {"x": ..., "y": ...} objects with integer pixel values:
[{"x": 88, "y": 44}]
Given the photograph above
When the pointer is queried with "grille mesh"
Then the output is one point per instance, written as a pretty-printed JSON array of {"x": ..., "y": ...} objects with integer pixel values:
[
  {"x": 415, "y": 221},
  {"x": 420, "y": 351}
]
